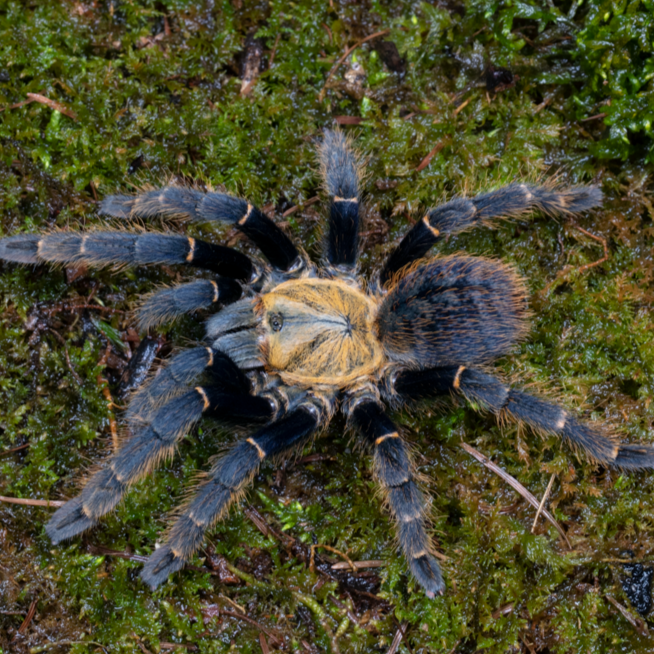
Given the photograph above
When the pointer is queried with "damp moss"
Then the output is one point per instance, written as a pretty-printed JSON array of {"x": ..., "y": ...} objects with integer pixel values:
[{"x": 141, "y": 92}]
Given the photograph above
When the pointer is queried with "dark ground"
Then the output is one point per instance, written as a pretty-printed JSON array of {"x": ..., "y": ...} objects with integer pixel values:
[{"x": 454, "y": 97}]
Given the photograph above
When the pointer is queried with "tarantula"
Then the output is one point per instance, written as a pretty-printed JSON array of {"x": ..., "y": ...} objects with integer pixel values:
[{"x": 292, "y": 343}]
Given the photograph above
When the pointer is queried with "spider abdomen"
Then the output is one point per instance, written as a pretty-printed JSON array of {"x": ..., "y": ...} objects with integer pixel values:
[
  {"x": 454, "y": 310},
  {"x": 319, "y": 331}
]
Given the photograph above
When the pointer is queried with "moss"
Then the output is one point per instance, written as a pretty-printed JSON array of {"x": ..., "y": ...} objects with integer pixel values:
[{"x": 149, "y": 90}]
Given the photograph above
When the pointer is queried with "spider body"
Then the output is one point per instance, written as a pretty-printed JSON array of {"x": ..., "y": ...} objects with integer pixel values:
[{"x": 292, "y": 343}]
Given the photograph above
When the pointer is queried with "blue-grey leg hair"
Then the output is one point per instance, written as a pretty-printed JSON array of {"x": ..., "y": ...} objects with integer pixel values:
[
  {"x": 464, "y": 213},
  {"x": 340, "y": 169},
  {"x": 395, "y": 473},
  {"x": 226, "y": 482},
  {"x": 175, "y": 201}
]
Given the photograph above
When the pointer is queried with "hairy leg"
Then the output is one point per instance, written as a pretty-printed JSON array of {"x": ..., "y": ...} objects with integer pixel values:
[
  {"x": 464, "y": 213},
  {"x": 492, "y": 395},
  {"x": 340, "y": 171},
  {"x": 154, "y": 439},
  {"x": 175, "y": 201},
  {"x": 169, "y": 303},
  {"x": 226, "y": 482},
  {"x": 395, "y": 473},
  {"x": 104, "y": 248}
]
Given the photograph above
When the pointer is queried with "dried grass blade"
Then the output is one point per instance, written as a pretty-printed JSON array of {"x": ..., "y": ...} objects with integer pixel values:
[{"x": 516, "y": 485}]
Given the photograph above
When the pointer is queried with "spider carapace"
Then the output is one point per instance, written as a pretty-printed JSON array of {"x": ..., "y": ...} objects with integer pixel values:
[{"x": 292, "y": 343}]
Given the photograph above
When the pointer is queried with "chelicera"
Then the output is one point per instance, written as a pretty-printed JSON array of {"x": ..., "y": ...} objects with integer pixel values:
[{"x": 291, "y": 343}]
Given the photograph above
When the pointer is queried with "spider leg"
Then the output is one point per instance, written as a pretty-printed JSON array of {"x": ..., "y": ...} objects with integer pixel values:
[
  {"x": 395, "y": 473},
  {"x": 169, "y": 303},
  {"x": 226, "y": 482},
  {"x": 153, "y": 440},
  {"x": 491, "y": 394},
  {"x": 181, "y": 371},
  {"x": 104, "y": 248},
  {"x": 175, "y": 201},
  {"x": 340, "y": 170},
  {"x": 464, "y": 213}
]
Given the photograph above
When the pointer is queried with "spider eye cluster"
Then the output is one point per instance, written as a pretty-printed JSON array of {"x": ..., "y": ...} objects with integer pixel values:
[{"x": 276, "y": 321}]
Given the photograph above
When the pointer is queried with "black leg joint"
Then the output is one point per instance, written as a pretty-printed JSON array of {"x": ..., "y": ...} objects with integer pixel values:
[
  {"x": 226, "y": 376},
  {"x": 230, "y": 406},
  {"x": 270, "y": 239},
  {"x": 413, "y": 246},
  {"x": 220, "y": 259},
  {"x": 422, "y": 384},
  {"x": 343, "y": 232},
  {"x": 369, "y": 418},
  {"x": 287, "y": 432}
]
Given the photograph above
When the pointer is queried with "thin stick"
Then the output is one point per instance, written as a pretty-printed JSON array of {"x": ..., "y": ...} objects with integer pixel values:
[
  {"x": 516, "y": 485},
  {"x": 254, "y": 623},
  {"x": 105, "y": 551},
  {"x": 312, "y": 566},
  {"x": 353, "y": 618},
  {"x": 24, "y": 502},
  {"x": 69, "y": 363},
  {"x": 28, "y": 618},
  {"x": 542, "y": 502},
  {"x": 193, "y": 648},
  {"x": 599, "y": 240},
  {"x": 53, "y": 104},
  {"x": 398, "y": 638},
  {"x": 72, "y": 307},
  {"x": 595, "y": 117},
  {"x": 302, "y": 205},
  {"x": 61, "y": 643},
  {"x": 639, "y": 625},
  {"x": 113, "y": 426},
  {"x": 437, "y": 148},
  {"x": 274, "y": 51},
  {"x": 462, "y": 106},
  {"x": 264, "y": 645},
  {"x": 335, "y": 67},
  {"x": 15, "y": 449},
  {"x": 359, "y": 565}
]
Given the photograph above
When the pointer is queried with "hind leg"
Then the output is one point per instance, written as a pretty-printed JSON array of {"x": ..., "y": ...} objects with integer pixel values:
[
  {"x": 226, "y": 482},
  {"x": 492, "y": 395}
]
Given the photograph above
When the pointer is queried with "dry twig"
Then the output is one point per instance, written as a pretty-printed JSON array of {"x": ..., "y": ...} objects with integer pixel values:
[
  {"x": 312, "y": 566},
  {"x": 599, "y": 240},
  {"x": 639, "y": 625},
  {"x": 437, "y": 148},
  {"x": 15, "y": 449},
  {"x": 401, "y": 632},
  {"x": 302, "y": 205},
  {"x": 28, "y": 618},
  {"x": 542, "y": 502},
  {"x": 26, "y": 502},
  {"x": 359, "y": 565},
  {"x": 516, "y": 485}
]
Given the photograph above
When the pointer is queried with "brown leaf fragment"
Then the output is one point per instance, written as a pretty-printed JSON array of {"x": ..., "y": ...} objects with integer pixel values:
[
  {"x": 348, "y": 120},
  {"x": 251, "y": 62},
  {"x": 218, "y": 564}
]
